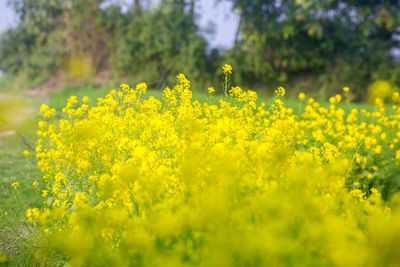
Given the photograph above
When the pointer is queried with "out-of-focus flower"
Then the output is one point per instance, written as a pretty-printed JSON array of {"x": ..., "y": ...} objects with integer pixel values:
[
  {"x": 227, "y": 69},
  {"x": 15, "y": 185}
]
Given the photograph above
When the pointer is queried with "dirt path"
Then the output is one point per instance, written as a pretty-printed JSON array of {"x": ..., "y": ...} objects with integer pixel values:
[{"x": 43, "y": 89}]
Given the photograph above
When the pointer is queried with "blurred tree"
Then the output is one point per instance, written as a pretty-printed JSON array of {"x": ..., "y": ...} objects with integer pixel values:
[
  {"x": 281, "y": 39},
  {"x": 137, "y": 6},
  {"x": 335, "y": 42},
  {"x": 54, "y": 35},
  {"x": 163, "y": 41},
  {"x": 83, "y": 37},
  {"x": 23, "y": 48}
]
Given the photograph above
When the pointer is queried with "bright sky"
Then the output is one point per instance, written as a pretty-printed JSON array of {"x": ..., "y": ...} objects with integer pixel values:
[
  {"x": 224, "y": 20},
  {"x": 217, "y": 17},
  {"x": 6, "y": 16}
]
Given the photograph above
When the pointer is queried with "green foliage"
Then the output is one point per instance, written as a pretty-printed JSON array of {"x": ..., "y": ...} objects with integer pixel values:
[
  {"x": 162, "y": 41},
  {"x": 34, "y": 46},
  {"x": 52, "y": 34},
  {"x": 81, "y": 38},
  {"x": 279, "y": 40},
  {"x": 331, "y": 43}
]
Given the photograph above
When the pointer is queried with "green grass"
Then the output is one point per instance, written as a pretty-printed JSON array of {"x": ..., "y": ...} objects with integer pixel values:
[
  {"x": 3, "y": 81},
  {"x": 17, "y": 237}
]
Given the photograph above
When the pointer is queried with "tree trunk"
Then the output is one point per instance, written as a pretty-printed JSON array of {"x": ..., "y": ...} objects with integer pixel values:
[
  {"x": 192, "y": 5},
  {"x": 137, "y": 6}
]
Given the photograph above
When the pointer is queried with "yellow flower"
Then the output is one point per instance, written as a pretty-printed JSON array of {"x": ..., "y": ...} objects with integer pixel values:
[
  {"x": 15, "y": 185},
  {"x": 227, "y": 69},
  {"x": 378, "y": 149},
  {"x": 47, "y": 112},
  {"x": 42, "y": 125},
  {"x": 147, "y": 171},
  {"x": 346, "y": 89},
  {"x": 141, "y": 88},
  {"x": 44, "y": 193},
  {"x": 85, "y": 99},
  {"x": 280, "y": 91},
  {"x": 32, "y": 214},
  {"x": 302, "y": 96},
  {"x": 26, "y": 153}
]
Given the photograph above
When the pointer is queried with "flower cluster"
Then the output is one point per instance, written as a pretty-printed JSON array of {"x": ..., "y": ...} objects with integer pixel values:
[
  {"x": 227, "y": 69},
  {"x": 280, "y": 91},
  {"x": 15, "y": 185},
  {"x": 136, "y": 180}
]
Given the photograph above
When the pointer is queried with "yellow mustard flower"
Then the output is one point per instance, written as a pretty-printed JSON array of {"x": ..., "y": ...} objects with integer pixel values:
[
  {"x": 227, "y": 69},
  {"x": 280, "y": 91},
  {"x": 15, "y": 185},
  {"x": 301, "y": 96}
]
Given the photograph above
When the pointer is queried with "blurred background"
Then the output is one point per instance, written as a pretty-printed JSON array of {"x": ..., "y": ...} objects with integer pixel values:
[{"x": 313, "y": 46}]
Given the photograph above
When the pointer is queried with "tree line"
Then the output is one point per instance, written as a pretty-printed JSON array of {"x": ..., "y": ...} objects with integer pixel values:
[{"x": 304, "y": 43}]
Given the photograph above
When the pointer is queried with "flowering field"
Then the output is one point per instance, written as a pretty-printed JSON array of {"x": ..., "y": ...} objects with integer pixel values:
[{"x": 130, "y": 179}]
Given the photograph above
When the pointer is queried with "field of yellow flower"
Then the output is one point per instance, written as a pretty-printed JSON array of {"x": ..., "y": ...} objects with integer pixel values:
[{"x": 133, "y": 180}]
